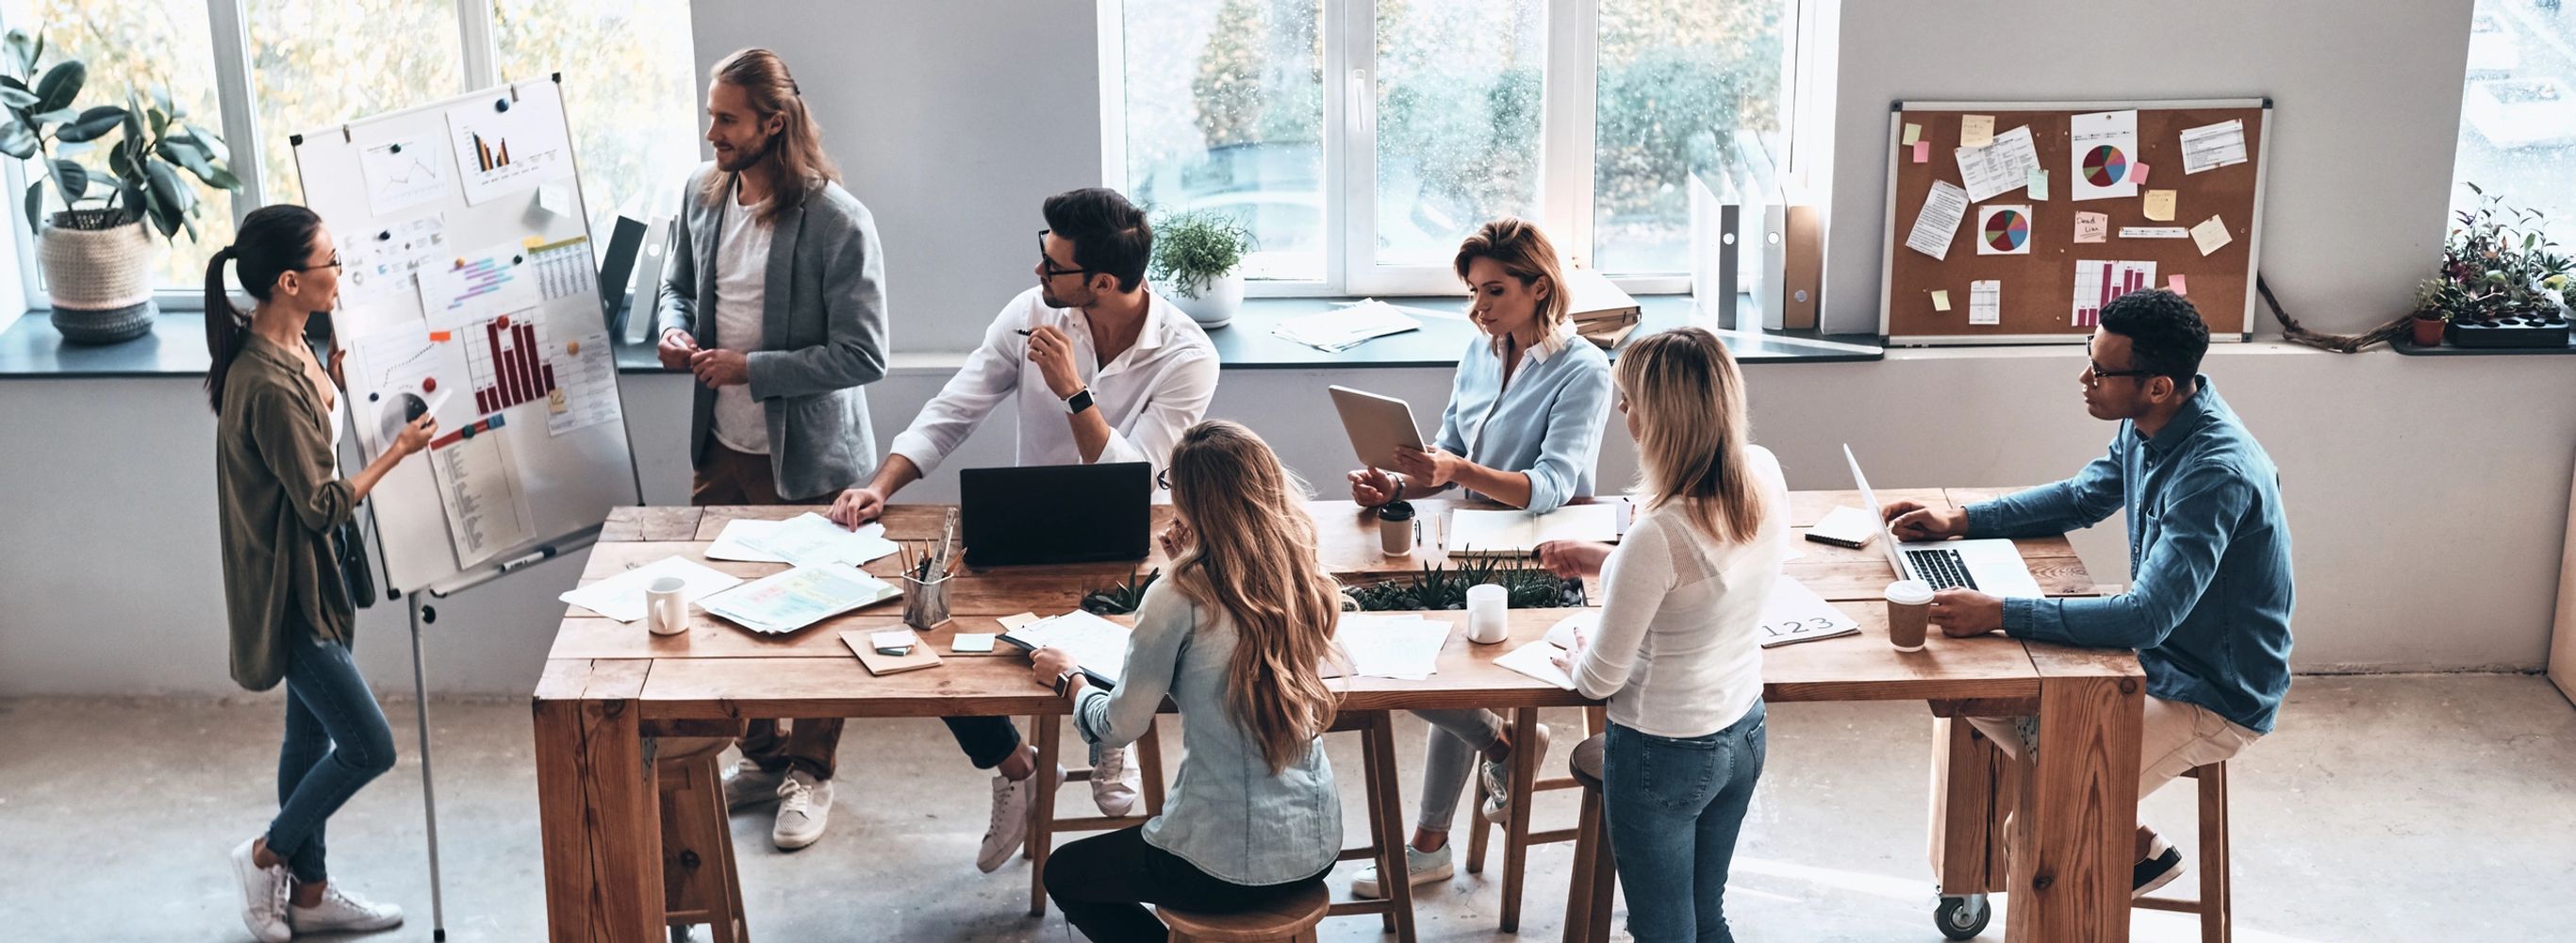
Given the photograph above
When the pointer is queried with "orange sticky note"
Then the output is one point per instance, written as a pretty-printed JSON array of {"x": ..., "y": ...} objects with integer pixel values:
[
  {"x": 2177, "y": 285},
  {"x": 440, "y": 337},
  {"x": 1922, "y": 152},
  {"x": 2138, "y": 174}
]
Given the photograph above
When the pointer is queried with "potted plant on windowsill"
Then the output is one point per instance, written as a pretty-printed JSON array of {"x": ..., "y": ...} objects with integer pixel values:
[
  {"x": 1198, "y": 255},
  {"x": 97, "y": 252},
  {"x": 2503, "y": 284}
]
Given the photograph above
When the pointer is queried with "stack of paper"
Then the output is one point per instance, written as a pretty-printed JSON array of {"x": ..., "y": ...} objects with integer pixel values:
[
  {"x": 1601, "y": 312},
  {"x": 1347, "y": 326},
  {"x": 1795, "y": 613},
  {"x": 621, "y": 597},
  {"x": 791, "y": 600},
  {"x": 1518, "y": 533},
  {"x": 1406, "y": 648},
  {"x": 1538, "y": 660},
  {"x": 1097, "y": 645},
  {"x": 808, "y": 539}
]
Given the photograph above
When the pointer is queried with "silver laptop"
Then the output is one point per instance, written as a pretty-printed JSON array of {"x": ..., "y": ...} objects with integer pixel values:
[{"x": 1993, "y": 567}]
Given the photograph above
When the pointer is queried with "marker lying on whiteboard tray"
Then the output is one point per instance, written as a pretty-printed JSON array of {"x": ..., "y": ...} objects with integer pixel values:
[{"x": 539, "y": 555}]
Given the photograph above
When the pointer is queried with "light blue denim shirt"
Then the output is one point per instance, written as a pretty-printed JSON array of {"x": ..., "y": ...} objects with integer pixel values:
[
  {"x": 1547, "y": 424},
  {"x": 2208, "y": 608},
  {"x": 1228, "y": 813}
]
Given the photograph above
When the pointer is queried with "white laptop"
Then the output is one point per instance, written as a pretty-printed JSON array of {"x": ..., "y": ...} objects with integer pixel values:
[{"x": 1993, "y": 567}]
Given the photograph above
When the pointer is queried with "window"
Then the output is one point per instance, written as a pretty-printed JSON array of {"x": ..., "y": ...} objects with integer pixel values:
[
  {"x": 2518, "y": 111},
  {"x": 1359, "y": 140},
  {"x": 629, "y": 88}
]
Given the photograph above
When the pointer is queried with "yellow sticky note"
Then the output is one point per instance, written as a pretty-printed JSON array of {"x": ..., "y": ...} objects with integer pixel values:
[
  {"x": 1941, "y": 301},
  {"x": 2160, "y": 205},
  {"x": 1913, "y": 133},
  {"x": 1976, "y": 130},
  {"x": 2211, "y": 235}
]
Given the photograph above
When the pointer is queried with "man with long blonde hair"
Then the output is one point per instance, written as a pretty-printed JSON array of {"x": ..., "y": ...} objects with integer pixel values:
[{"x": 775, "y": 300}]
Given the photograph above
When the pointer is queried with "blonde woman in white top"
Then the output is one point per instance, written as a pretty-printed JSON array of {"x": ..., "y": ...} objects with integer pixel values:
[{"x": 1676, "y": 652}]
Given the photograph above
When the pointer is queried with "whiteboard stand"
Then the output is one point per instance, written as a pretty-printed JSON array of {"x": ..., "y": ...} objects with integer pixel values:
[{"x": 428, "y": 784}]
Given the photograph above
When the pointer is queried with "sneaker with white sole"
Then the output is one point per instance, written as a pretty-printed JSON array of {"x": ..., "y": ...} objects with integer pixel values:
[
  {"x": 747, "y": 785},
  {"x": 1114, "y": 783},
  {"x": 1421, "y": 867},
  {"x": 1010, "y": 824},
  {"x": 2162, "y": 865},
  {"x": 344, "y": 912},
  {"x": 264, "y": 892},
  {"x": 1498, "y": 780},
  {"x": 804, "y": 807}
]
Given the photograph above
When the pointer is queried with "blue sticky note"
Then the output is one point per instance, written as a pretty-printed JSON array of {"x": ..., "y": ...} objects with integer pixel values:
[{"x": 2038, "y": 184}]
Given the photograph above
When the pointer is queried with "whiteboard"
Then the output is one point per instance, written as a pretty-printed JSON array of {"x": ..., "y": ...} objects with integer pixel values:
[{"x": 469, "y": 288}]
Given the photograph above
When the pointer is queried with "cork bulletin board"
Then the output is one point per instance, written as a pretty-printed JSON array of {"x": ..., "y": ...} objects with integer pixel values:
[{"x": 2013, "y": 270}]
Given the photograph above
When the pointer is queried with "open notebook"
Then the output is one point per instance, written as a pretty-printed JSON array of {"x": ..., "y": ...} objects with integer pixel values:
[
  {"x": 1518, "y": 533},
  {"x": 1098, "y": 645}
]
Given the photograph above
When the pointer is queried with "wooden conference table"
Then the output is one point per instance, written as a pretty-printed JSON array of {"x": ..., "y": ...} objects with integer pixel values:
[{"x": 607, "y": 686}]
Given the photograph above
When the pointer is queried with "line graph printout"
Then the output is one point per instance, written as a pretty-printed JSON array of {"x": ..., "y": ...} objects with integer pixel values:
[{"x": 402, "y": 174}]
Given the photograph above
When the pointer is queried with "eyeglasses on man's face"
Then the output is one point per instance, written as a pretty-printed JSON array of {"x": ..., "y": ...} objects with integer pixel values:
[
  {"x": 1046, "y": 264},
  {"x": 2095, "y": 373}
]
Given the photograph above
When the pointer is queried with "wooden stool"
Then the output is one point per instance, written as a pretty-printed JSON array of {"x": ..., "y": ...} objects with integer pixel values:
[
  {"x": 699, "y": 881},
  {"x": 1291, "y": 919},
  {"x": 1517, "y": 837},
  {"x": 1386, "y": 826},
  {"x": 2216, "y": 896},
  {"x": 1587, "y": 901},
  {"x": 1043, "y": 825}
]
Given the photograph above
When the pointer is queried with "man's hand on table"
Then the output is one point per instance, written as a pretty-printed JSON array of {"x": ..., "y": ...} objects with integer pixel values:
[
  {"x": 1966, "y": 613},
  {"x": 1912, "y": 520},
  {"x": 857, "y": 506}
]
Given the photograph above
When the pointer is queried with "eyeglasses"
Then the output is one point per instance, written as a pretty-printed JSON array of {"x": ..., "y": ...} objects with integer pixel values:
[
  {"x": 1047, "y": 265},
  {"x": 2095, "y": 373},
  {"x": 334, "y": 265}
]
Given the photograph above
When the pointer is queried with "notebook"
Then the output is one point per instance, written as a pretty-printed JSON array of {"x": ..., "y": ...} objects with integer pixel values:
[
  {"x": 919, "y": 657},
  {"x": 1844, "y": 526},
  {"x": 1097, "y": 645},
  {"x": 1518, "y": 533}
]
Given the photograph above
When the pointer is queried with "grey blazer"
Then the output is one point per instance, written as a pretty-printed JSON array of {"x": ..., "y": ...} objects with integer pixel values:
[{"x": 823, "y": 333}]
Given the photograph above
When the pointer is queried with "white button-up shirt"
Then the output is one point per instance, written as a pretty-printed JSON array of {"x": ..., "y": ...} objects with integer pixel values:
[{"x": 1149, "y": 395}]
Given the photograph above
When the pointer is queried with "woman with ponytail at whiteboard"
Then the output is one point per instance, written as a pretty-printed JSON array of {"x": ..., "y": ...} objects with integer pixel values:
[{"x": 281, "y": 502}]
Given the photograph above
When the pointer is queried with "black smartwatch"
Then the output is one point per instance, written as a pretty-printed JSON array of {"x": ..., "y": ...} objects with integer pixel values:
[{"x": 1079, "y": 401}]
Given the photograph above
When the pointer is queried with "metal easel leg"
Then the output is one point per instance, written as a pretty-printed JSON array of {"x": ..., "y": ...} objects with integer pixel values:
[{"x": 428, "y": 785}]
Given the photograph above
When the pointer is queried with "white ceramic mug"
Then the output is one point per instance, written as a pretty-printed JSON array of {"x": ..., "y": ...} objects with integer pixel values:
[
  {"x": 1488, "y": 621},
  {"x": 666, "y": 610}
]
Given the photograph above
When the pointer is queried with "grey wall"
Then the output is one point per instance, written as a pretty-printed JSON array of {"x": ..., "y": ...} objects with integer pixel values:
[{"x": 2428, "y": 495}]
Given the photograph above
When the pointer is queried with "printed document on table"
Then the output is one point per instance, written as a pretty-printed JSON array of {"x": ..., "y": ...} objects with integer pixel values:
[
  {"x": 810, "y": 539},
  {"x": 1943, "y": 208},
  {"x": 1507, "y": 532},
  {"x": 794, "y": 599},
  {"x": 1346, "y": 327},
  {"x": 621, "y": 597},
  {"x": 1537, "y": 660},
  {"x": 1402, "y": 647},
  {"x": 1098, "y": 646},
  {"x": 1794, "y": 613}
]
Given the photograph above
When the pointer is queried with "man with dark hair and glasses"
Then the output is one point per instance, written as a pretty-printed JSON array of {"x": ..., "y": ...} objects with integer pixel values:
[
  {"x": 2208, "y": 605},
  {"x": 1101, "y": 369}
]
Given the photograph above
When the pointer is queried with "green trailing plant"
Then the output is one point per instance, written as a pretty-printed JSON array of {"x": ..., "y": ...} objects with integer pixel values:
[
  {"x": 144, "y": 164},
  {"x": 1195, "y": 248},
  {"x": 1121, "y": 599},
  {"x": 1438, "y": 587},
  {"x": 2498, "y": 262}
]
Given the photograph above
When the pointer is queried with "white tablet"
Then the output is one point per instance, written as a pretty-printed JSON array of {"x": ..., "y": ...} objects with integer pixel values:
[{"x": 1376, "y": 424}]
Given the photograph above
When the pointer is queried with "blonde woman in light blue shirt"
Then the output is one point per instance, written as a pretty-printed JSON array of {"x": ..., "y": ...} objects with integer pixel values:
[{"x": 1522, "y": 428}]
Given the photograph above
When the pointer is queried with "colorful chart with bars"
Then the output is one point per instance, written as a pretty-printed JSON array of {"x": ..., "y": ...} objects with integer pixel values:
[
  {"x": 507, "y": 359},
  {"x": 491, "y": 155},
  {"x": 2098, "y": 282}
]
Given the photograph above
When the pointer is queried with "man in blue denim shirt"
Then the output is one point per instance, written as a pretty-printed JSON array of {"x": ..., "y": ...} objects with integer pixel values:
[{"x": 2209, "y": 549}]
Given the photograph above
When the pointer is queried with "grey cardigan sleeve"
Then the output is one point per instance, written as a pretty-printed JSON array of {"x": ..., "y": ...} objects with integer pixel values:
[
  {"x": 854, "y": 314},
  {"x": 679, "y": 305}
]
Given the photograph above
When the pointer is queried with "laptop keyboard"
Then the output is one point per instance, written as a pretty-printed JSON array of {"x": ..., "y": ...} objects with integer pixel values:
[{"x": 1941, "y": 567}]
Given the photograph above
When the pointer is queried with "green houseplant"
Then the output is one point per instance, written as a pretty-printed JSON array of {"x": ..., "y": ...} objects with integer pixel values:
[
  {"x": 97, "y": 251},
  {"x": 1198, "y": 255},
  {"x": 2501, "y": 276}
]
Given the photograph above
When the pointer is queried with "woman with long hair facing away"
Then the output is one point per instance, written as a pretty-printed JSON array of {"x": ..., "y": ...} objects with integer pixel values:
[
  {"x": 281, "y": 503},
  {"x": 1236, "y": 636},
  {"x": 1677, "y": 652},
  {"x": 1523, "y": 428}
]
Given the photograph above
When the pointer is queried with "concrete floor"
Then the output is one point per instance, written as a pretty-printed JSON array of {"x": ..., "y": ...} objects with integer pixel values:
[{"x": 2410, "y": 807}]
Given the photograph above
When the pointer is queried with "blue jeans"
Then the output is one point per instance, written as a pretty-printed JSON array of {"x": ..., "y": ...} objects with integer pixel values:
[
  {"x": 336, "y": 741},
  {"x": 1674, "y": 807}
]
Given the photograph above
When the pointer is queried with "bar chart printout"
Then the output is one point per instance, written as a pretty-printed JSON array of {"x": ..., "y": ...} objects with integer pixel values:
[
  {"x": 507, "y": 359},
  {"x": 2098, "y": 281}
]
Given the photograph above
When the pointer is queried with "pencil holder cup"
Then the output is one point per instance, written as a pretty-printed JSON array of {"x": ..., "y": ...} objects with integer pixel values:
[{"x": 925, "y": 602}]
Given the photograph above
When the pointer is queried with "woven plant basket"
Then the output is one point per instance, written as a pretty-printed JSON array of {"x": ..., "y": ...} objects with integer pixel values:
[{"x": 100, "y": 276}]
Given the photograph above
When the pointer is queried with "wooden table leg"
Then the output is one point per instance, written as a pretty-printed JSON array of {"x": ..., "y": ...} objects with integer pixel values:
[
  {"x": 1042, "y": 810},
  {"x": 1973, "y": 786},
  {"x": 1393, "y": 881},
  {"x": 1516, "y": 834},
  {"x": 596, "y": 805},
  {"x": 2076, "y": 827}
]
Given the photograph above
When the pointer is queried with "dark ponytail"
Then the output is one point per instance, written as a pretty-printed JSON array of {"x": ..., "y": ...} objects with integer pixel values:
[{"x": 272, "y": 241}]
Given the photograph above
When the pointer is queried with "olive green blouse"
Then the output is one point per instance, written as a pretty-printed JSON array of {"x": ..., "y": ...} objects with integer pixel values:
[{"x": 278, "y": 497}]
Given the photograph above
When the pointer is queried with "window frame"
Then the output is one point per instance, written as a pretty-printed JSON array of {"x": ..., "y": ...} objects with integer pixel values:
[{"x": 1569, "y": 100}]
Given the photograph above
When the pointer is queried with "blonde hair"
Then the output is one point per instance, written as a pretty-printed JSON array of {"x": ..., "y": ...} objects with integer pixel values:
[
  {"x": 1692, "y": 431},
  {"x": 1524, "y": 253},
  {"x": 795, "y": 160},
  {"x": 1254, "y": 557}
]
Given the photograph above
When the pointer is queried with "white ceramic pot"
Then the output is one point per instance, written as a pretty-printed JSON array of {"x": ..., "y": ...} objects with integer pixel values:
[{"x": 1217, "y": 302}]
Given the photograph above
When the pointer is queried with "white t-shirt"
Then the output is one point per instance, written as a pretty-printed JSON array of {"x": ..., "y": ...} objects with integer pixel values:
[
  {"x": 1678, "y": 652},
  {"x": 742, "y": 273}
]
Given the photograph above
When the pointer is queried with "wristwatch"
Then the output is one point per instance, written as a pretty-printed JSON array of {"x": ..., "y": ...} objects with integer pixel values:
[{"x": 1079, "y": 401}]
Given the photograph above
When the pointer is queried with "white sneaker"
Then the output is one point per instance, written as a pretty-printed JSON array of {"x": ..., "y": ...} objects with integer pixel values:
[
  {"x": 264, "y": 893},
  {"x": 344, "y": 912},
  {"x": 1010, "y": 825},
  {"x": 1498, "y": 781},
  {"x": 1421, "y": 867},
  {"x": 747, "y": 785},
  {"x": 804, "y": 807},
  {"x": 1114, "y": 783}
]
